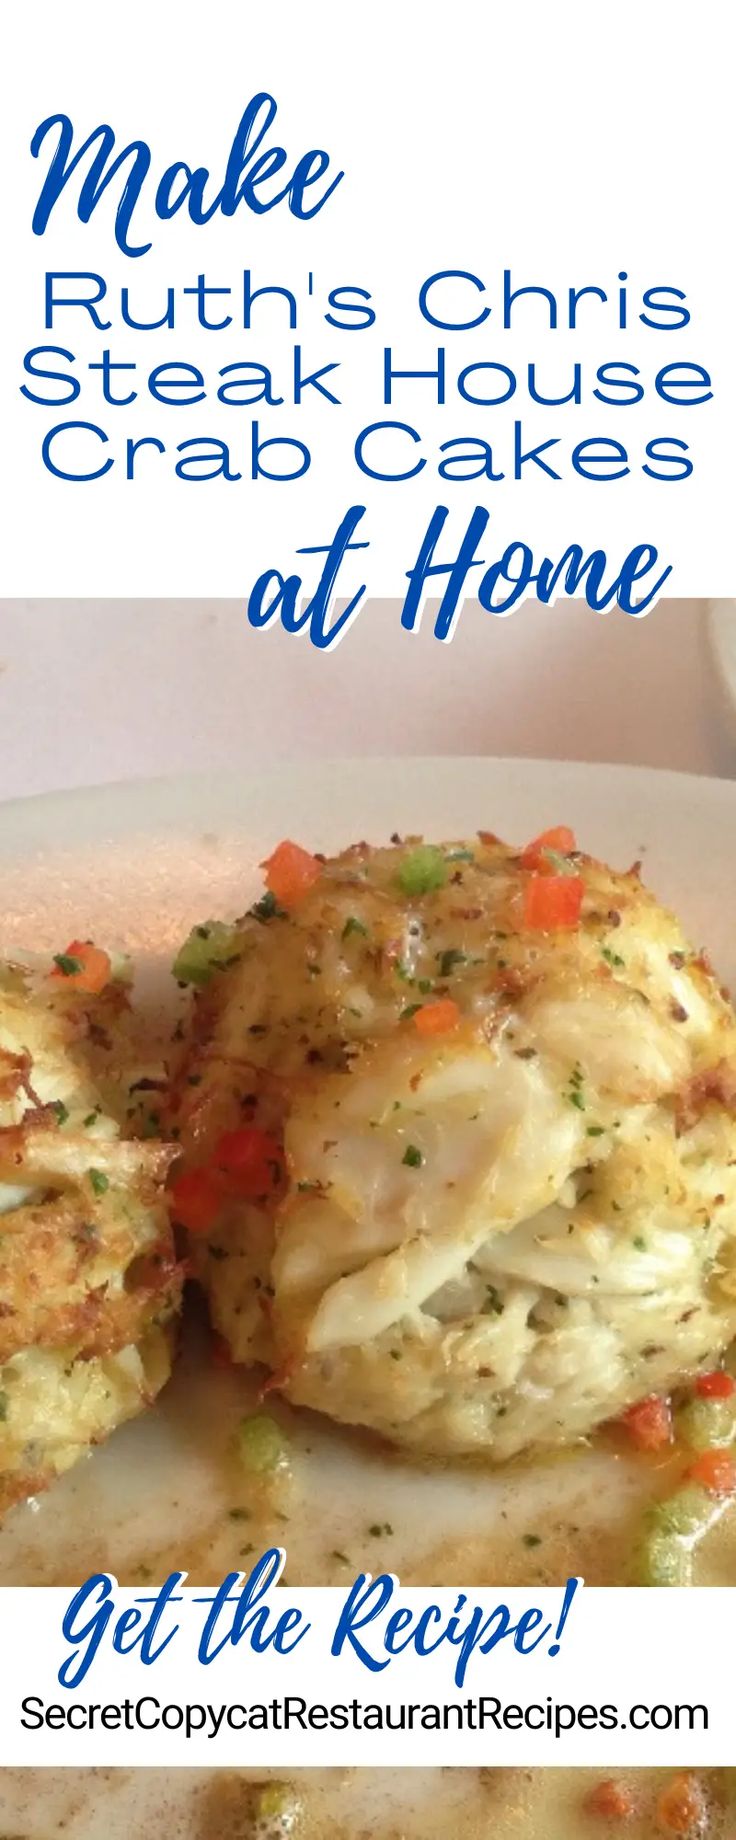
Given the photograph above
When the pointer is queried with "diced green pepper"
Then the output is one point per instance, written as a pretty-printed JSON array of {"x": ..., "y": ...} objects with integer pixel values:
[
  {"x": 278, "y": 1812},
  {"x": 262, "y": 1445},
  {"x": 673, "y": 1529},
  {"x": 663, "y": 1560},
  {"x": 206, "y": 950},
  {"x": 703, "y": 1423},
  {"x": 688, "y": 1512},
  {"x": 422, "y": 870}
]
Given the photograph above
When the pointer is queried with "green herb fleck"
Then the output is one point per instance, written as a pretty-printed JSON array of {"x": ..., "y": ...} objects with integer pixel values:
[
  {"x": 493, "y": 1305},
  {"x": 267, "y": 908},
  {"x": 561, "y": 864},
  {"x": 67, "y": 964},
  {"x": 354, "y": 925},
  {"x": 449, "y": 959},
  {"x": 413, "y": 1157},
  {"x": 100, "y": 1182}
]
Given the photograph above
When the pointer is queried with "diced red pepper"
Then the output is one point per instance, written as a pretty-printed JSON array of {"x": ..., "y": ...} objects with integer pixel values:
[
  {"x": 83, "y": 966},
  {"x": 560, "y": 839},
  {"x": 552, "y": 901},
  {"x": 195, "y": 1199},
  {"x": 250, "y": 1160},
  {"x": 717, "y": 1385},
  {"x": 611, "y": 1801},
  {"x": 649, "y": 1423},
  {"x": 290, "y": 873},
  {"x": 715, "y": 1471},
  {"x": 682, "y": 1807},
  {"x": 437, "y": 1018}
]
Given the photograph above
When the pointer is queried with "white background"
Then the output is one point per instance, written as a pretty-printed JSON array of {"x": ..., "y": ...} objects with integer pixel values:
[
  {"x": 566, "y": 142},
  {"x": 676, "y": 1652}
]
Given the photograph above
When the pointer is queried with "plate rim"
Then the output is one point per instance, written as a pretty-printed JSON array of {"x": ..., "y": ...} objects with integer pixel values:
[{"x": 139, "y": 787}]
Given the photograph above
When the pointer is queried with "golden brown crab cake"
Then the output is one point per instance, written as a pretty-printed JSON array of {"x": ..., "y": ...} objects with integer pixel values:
[
  {"x": 459, "y": 1126},
  {"x": 88, "y": 1280}
]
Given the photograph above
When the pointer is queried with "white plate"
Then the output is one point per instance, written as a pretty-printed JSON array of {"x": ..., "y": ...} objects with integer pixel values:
[{"x": 135, "y": 865}]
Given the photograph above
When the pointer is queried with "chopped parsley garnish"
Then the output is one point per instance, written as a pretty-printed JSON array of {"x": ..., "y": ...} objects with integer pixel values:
[
  {"x": 423, "y": 870},
  {"x": 267, "y": 908},
  {"x": 61, "y": 1110},
  {"x": 412, "y": 1157},
  {"x": 575, "y": 1095},
  {"x": 532, "y": 1539},
  {"x": 409, "y": 1010},
  {"x": 493, "y": 1305},
  {"x": 449, "y": 959},
  {"x": 612, "y": 958},
  {"x": 354, "y": 925},
  {"x": 67, "y": 964},
  {"x": 595, "y": 1130},
  {"x": 99, "y": 1180}
]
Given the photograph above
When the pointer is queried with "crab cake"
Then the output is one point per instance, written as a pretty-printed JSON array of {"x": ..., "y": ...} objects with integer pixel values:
[
  {"x": 88, "y": 1281},
  {"x": 459, "y": 1126}
]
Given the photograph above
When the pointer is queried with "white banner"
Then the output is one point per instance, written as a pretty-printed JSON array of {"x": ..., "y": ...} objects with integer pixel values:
[
  {"x": 249, "y": 1674},
  {"x": 278, "y": 273}
]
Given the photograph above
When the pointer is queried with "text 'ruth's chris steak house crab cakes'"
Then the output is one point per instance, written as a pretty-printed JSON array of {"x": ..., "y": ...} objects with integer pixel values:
[
  {"x": 459, "y": 1136},
  {"x": 88, "y": 1282}
]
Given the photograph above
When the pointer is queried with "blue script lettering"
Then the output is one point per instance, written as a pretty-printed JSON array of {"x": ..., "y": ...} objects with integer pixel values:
[
  {"x": 285, "y": 600},
  {"x": 575, "y": 573},
  {"x": 250, "y": 1615},
  {"x": 130, "y": 1628},
  {"x": 247, "y": 171},
  {"x": 467, "y": 1629}
]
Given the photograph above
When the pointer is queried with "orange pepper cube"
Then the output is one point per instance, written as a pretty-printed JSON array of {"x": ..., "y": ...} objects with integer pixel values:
[
  {"x": 437, "y": 1018},
  {"x": 552, "y": 902},
  {"x": 290, "y": 873}
]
